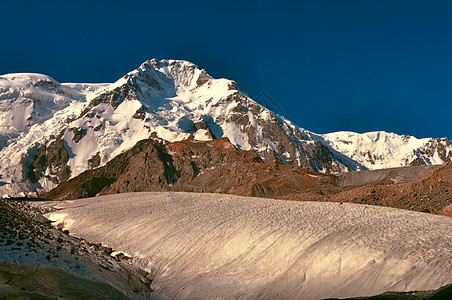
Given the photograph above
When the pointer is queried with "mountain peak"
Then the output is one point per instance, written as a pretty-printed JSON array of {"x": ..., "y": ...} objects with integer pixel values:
[
  {"x": 88, "y": 125},
  {"x": 23, "y": 81},
  {"x": 182, "y": 72}
]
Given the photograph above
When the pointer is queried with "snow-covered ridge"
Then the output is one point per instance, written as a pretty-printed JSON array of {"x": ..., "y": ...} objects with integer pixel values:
[
  {"x": 380, "y": 150},
  {"x": 34, "y": 109},
  {"x": 28, "y": 98}
]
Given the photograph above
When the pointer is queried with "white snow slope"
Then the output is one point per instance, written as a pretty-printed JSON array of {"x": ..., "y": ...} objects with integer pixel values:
[
  {"x": 213, "y": 246},
  {"x": 168, "y": 97},
  {"x": 382, "y": 150},
  {"x": 34, "y": 108}
]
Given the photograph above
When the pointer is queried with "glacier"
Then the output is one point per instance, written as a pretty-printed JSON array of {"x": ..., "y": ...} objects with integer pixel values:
[{"x": 222, "y": 246}]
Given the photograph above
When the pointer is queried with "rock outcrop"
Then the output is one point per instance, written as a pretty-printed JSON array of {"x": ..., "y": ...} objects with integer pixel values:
[
  {"x": 192, "y": 165},
  {"x": 51, "y": 163}
]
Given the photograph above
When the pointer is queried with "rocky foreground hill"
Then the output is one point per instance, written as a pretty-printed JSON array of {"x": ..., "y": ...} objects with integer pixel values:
[{"x": 38, "y": 261}]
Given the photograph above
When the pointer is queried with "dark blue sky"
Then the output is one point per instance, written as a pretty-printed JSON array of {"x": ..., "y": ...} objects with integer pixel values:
[{"x": 330, "y": 65}]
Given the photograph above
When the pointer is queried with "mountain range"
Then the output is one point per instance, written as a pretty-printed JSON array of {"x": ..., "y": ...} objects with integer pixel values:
[
  {"x": 193, "y": 146},
  {"x": 52, "y": 132}
]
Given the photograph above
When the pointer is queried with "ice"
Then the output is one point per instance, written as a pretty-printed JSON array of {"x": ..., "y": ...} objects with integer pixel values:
[{"x": 222, "y": 246}]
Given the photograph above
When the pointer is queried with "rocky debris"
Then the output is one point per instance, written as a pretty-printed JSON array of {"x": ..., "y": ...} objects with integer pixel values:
[
  {"x": 439, "y": 294},
  {"x": 448, "y": 210},
  {"x": 429, "y": 193},
  {"x": 384, "y": 176},
  {"x": 37, "y": 259}
]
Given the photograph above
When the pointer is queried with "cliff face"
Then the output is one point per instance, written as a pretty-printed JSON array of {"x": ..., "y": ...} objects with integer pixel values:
[{"x": 50, "y": 163}]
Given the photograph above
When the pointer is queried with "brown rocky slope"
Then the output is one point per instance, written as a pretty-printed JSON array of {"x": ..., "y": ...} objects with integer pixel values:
[
  {"x": 196, "y": 166},
  {"x": 216, "y": 166},
  {"x": 430, "y": 193}
]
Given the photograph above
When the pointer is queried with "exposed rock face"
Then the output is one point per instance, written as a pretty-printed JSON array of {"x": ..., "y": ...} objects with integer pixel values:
[
  {"x": 149, "y": 166},
  {"x": 191, "y": 165},
  {"x": 51, "y": 163},
  {"x": 444, "y": 149},
  {"x": 270, "y": 134},
  {"x": 94, "y": 161},
  {"x": 146, "y": 165}
]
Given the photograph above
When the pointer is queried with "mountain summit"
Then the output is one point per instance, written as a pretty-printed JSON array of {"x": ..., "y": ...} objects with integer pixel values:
[{"x": 51, "y": 132}]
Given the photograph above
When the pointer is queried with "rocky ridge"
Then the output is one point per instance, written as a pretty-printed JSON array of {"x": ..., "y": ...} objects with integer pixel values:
[
  {"x": 430, "y": 193},
  {"x": 215, "y": 166}
]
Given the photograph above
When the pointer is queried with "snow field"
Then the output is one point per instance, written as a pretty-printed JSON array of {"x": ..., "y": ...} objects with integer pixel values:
[{"x": 223, "y": 246}]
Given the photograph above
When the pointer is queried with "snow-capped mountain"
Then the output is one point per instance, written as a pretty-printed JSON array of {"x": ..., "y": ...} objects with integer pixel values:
[
  {"x": 176, "y": 98},
  {"x": 29, "y": 99},
  {"x": 380, "y": 150},
  {"x": 34, "y": 108},
  {"x": 51, "y": 132}
]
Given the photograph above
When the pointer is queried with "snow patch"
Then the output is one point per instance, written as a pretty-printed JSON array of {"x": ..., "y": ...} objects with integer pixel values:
[{"x": 202, "y": 135}]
